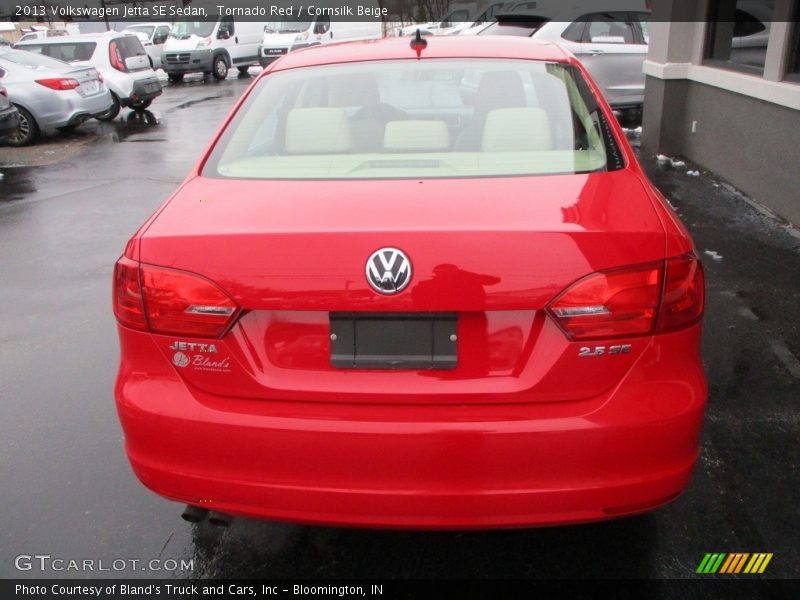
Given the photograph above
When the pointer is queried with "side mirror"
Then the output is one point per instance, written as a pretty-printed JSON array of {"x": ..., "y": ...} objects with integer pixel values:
[{"x": 223, "y": 34}]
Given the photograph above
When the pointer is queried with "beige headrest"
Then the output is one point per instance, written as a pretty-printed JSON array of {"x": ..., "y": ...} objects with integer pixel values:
[
  {"x": 416, "y": 136},
  {"x": 318, "y": 131},
  {"x": 516, "y": 130}
]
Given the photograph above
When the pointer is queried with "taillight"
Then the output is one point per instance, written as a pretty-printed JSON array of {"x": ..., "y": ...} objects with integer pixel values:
[
  {"x": 115, "y": 57},
  {"x": 684, "y": 293},
  {"x": 632, "y": 301},
  {"x": 3, "y": 92},
  {"x": 610, "y": 304},
  {"x": 128, "y": 306},
  {"x": 60, "y": 84},
  {"x": 169, "y": 301}
]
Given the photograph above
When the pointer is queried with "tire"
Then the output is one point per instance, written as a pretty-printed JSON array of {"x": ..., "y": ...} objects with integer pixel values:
[
  {"x": 220, "y": 69},
  {"x": 141, "y": 105},
  {"x": 175, "y": 77},
  {"x": 28, "y": 131},
  {"x": 244, "y": 71},
  {"x": 113, "y": 112}
]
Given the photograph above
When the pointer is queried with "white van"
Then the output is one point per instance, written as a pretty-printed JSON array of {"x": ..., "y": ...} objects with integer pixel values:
[
  {"x": 281, "y": 37},
  {"x": 211, "y": 47}
]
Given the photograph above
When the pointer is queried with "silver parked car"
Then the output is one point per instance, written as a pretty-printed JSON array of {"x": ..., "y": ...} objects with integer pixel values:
[
  {"x": 120, "y": 58},
  {"x": 50, "y": 94},
  {"x": 612, "y": 45}
]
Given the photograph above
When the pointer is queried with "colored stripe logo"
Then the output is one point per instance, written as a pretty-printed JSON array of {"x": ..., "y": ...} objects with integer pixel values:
[{"x": 734, "y": 562}]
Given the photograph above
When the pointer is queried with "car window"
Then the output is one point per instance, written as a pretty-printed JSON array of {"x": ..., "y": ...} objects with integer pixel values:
[
  {"x": 609, "y": 28},
  {"x": 162, "y": 33},
  {"x": 746, "y": 24},
  {"x": 31, "y": 60},
  {"x": 68, "y": 52},
  {"x": 185, "y": 29},
  {"x": 574, "y": 33},
  {"x": 145, "y": 29},
  {"x": 515, "y": 27},
  {"x": 401, "y": 119},
  {"x": 523, "y": 6},
  {"x": 128, "y": 46},
  {"x": 642, "y": 21}
]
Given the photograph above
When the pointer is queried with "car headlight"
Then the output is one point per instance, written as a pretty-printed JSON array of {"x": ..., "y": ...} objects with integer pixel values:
[
  {"x": 301, "y": 37},
  {"x": 204, "y": 43}
]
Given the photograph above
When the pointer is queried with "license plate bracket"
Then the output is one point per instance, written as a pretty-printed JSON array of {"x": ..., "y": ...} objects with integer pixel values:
[{"x": 394, "y": 340}]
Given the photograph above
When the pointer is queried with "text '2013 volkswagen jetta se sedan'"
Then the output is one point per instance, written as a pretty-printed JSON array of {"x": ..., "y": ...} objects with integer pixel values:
[{"x": 376, "y": 303}]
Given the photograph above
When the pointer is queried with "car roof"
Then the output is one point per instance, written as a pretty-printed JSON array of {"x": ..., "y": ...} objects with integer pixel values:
[
  {"x": 438, "y": 47},
  {"x": 83, "y": 37}
]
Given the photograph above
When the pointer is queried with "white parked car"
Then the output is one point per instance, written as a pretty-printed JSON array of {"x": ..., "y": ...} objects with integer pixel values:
[
  {"x": 153, "y": 37},
  {"x": 612, "y": 44},
  {"x": 282, "y": 37},
  {"x": 120, "y": 58}
]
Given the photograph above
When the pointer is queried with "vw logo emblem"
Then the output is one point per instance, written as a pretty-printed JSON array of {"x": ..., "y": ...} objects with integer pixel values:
[{"x": 388, "y": 271}]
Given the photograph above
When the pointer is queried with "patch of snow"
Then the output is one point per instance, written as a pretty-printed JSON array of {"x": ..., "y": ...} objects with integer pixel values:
[
  {"x": 693, "y": 173},
  {"x": 713, "y": 255}
]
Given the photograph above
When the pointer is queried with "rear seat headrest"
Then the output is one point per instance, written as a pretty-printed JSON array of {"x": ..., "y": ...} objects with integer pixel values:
[
  {"x": 416, "y": 136},
  {"x": 318, "y": 131},
  {"x": 516, "y": 130}
]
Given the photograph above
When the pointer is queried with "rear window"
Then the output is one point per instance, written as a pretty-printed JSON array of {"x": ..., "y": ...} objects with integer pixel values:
[
  {"x": 68, "y": 52},
  {"x": 31, "y": 60},
  {"x": 128, "y": 46},
  {"x": 515, "y": 27},
  {"x": 417, "y": 119}
]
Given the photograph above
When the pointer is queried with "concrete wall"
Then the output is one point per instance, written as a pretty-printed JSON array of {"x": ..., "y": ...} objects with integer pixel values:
[{"x": 753, "y": 144}]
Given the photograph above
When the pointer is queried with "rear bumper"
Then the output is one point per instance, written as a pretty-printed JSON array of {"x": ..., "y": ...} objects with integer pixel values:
[
  {"x": 629, "y": 450},
  {"x": 70, "y": 109},
  {"x": 143, "y": 89}
]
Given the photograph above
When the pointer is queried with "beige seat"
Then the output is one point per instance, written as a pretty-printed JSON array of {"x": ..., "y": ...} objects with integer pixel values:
[
  {"x": 318, "y": 131},
  {"x": 496, "y": 89},
  {"x": 516, "y": 130},
  {"x": 416, "y": 136}
]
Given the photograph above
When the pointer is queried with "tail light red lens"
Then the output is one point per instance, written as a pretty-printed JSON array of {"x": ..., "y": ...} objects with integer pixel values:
[
  {"x": 115, "y": 57},
  {"x": 684, "y": 293},
  {"x": 3, "y": 92},
  {"x": 632, "y": 301},
  {"x": 169, "y": 301},
  {"x": 610, "y": 304},
  {"x": 60, "y": 84},
  {"x": 128, "y": 306}
]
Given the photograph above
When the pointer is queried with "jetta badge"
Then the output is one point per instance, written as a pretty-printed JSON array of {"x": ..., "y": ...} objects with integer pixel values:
[{"x": 388, "y": 271}]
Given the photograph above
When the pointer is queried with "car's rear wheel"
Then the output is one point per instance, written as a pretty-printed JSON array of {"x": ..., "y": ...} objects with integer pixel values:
[
  {"x": 141, "y": 105},
  {"x": 220, "y": 70},
  {"x": 175, "y": 77},
  {"x": 244, "y": 70},
  {"x": 112, "y": 112},
  {"x": 28, "y": 131}
]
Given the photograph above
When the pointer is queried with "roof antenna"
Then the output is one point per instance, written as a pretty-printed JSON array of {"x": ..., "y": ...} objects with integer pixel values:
[{"x": 418, "y": 44}]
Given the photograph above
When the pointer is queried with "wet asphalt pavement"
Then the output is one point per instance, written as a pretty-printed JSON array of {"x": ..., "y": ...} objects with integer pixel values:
[{"x": 68, "y": 491}]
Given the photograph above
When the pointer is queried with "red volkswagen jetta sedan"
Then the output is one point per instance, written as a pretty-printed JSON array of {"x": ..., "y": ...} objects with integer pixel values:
[{"x": 414, "y": 286}]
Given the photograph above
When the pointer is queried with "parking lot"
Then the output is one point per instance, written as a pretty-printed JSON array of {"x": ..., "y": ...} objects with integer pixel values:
[{"x": 67, "y": 488}]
